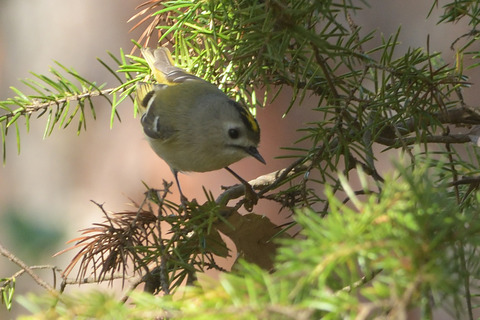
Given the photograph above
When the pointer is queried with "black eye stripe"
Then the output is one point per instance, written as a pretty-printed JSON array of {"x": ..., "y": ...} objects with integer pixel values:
[{"x": 147, "y": 98}]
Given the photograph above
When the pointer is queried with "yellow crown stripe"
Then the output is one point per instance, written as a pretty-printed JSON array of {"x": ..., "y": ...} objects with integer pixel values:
[{"x": 247, "y": 117}]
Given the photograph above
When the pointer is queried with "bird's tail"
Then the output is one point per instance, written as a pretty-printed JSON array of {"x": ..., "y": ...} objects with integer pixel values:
[{"x": 161, "y": 63}]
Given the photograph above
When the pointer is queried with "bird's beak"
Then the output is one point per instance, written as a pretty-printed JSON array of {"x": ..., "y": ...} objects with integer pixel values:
[{"x": 254, "y": 153}]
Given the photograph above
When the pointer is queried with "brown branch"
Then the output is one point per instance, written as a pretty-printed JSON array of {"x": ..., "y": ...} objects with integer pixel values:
[
  {"x": 95, "y": 280},
  {"x": 10, "y": 256},
  {"x": 263, "y": 183},
  {"x": 471, "y": 33},
  {"x": 459, "y": 116},
  {"x": 453, "y": 138},
  {"x": 326, "y": 73},
  {"x": 41, "y": 267},
  {"x": 470, "y": 180}
]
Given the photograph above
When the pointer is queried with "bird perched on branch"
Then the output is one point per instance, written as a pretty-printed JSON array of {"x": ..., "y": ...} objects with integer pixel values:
[{"x": 190, "y": 123}]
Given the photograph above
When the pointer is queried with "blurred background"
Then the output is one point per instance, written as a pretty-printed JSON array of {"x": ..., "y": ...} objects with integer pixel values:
[{"x": 45, "y": 191}]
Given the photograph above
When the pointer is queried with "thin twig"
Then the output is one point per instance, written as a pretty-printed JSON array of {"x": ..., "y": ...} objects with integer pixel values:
[
  {"x": 470, "y": 180},
  {"x": 453, "y": 138},
  {"x": 35, "y": 106},
  {"x": 263, "y": 183},
  {"x": 362, "y": 281},
  {"x": 10, "y": 256},
  {"x": 42, "y": 267}
]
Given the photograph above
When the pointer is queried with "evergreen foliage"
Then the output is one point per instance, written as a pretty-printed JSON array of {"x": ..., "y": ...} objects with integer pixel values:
[{"x": 402, "y": 240}]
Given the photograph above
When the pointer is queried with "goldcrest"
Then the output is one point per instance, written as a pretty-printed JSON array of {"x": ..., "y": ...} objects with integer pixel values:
[{"x": 190, "y": 123}]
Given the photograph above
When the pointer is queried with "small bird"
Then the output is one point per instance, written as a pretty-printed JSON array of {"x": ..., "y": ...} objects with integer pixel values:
[{"x": 190, "y": 123}]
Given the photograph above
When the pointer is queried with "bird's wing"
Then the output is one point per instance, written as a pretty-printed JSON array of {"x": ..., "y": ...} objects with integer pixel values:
[{"x": 152, "y": 123}]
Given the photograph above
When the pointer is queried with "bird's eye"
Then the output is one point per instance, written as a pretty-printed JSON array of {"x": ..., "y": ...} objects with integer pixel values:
[{"x": 233, "y": 133}]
